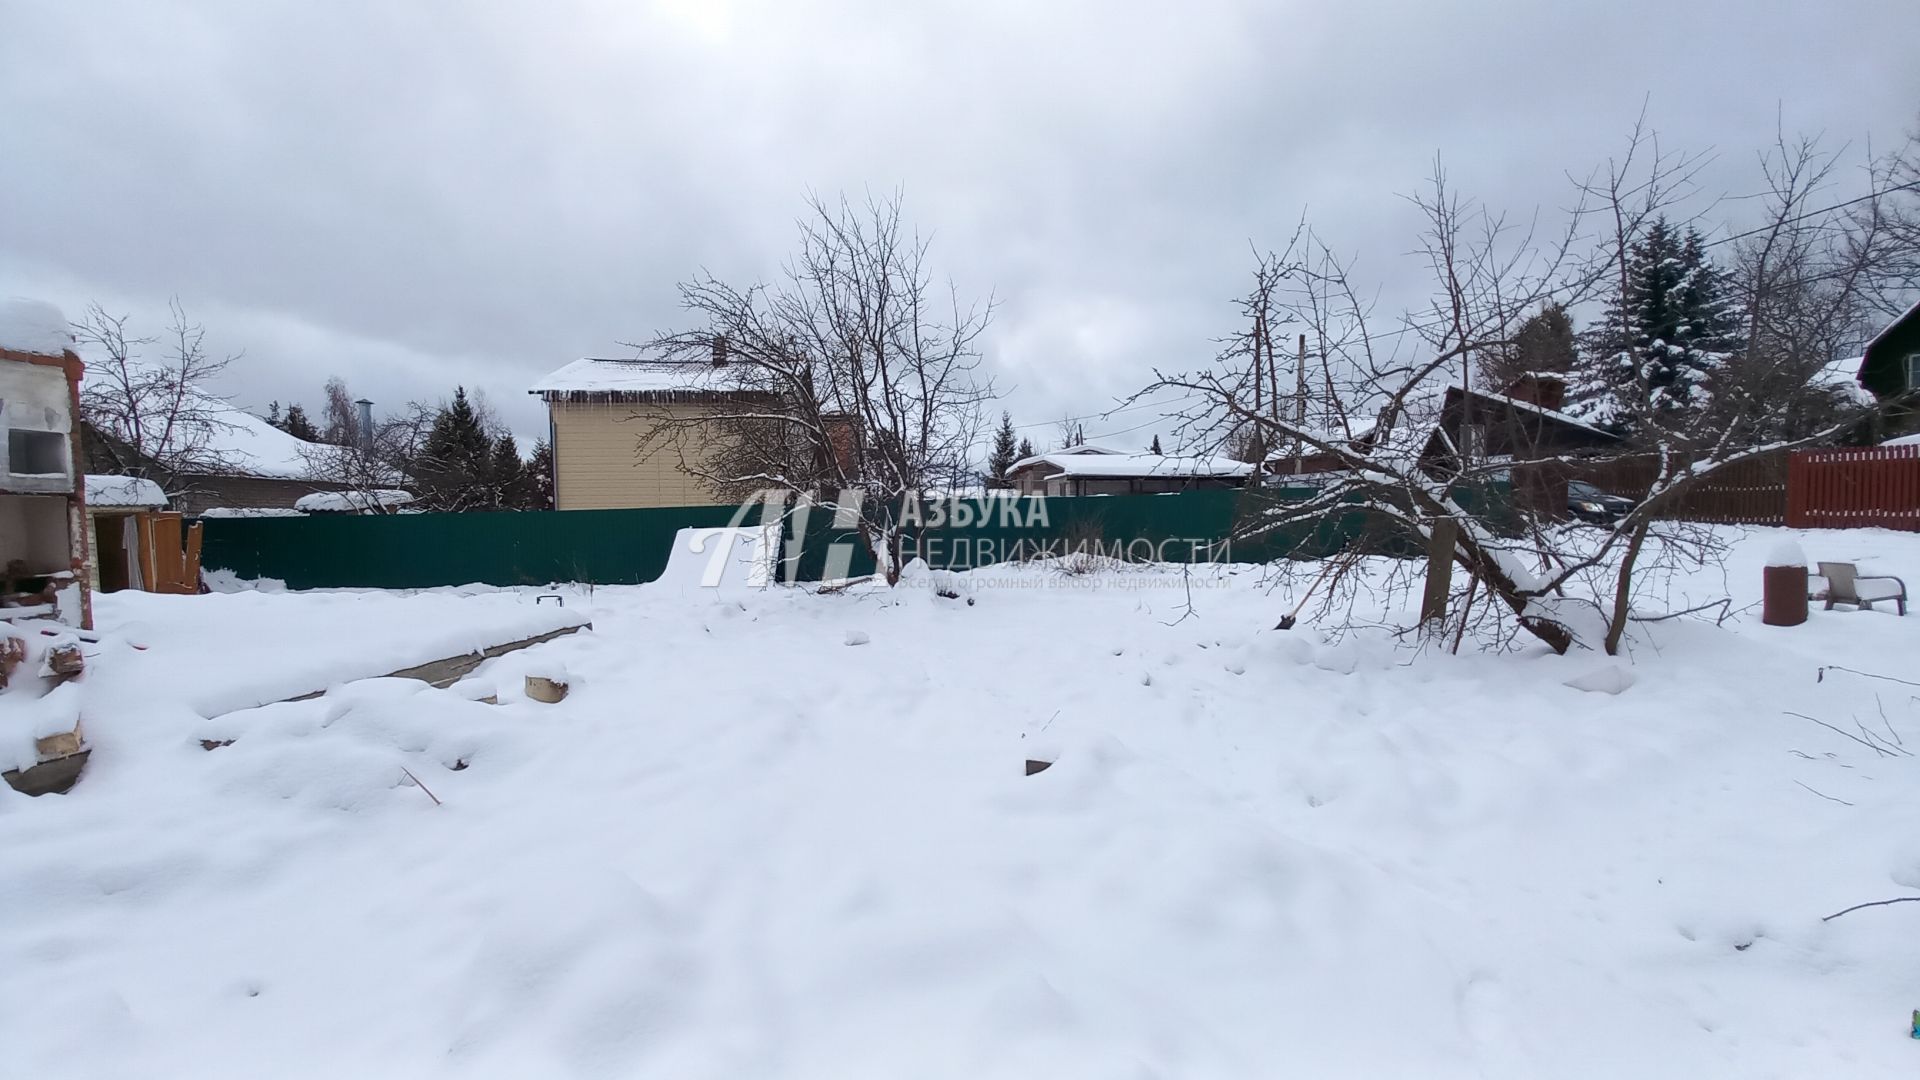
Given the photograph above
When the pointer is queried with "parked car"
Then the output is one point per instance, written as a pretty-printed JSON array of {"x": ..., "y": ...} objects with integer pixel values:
[{"x": 1589, "y": 503}]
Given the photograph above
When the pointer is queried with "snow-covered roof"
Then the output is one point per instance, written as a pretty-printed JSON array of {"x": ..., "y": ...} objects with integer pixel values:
[
  {"x": 595, "y": 377},
  {"x": 250, "y": 446},
  {"x": 1540, "y": 410},
  {"x": 250, "y": 512},
  {"x": 1131, "y": 465},
  {"x": 350, "y": 502},
  {"x": 1904, "y": 440},
  {"x": 1076, "y": 450},
  {"x": 1843, "y": 376},
  {"x": 33, "y": 326},
  {"x": 236, "y": 442},
  {"x": 124, "y": 491}
]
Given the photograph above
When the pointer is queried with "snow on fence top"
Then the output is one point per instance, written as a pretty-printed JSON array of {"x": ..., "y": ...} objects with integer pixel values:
[
  {"x": 33, "y": 326},
  {"x": 124, "y": 491},
  {"x": 594, "y": 378},
  {"x": 350, "y": 502}
]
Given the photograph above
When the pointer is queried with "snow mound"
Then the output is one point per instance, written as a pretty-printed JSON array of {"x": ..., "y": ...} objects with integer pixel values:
[
  {"x": 721, "y": 561},
  {"x": 1785, "y": 552},
  {"x": 1612, "y": 679},
  {"x": 33, "y": 326}
]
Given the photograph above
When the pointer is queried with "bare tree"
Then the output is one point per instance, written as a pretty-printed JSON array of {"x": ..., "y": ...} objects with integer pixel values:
[
  {"x": 851, "y": 384},
  {"x": 1071, "y": 431},
  {"x": 1410, "y": 443},
  {"x": 340, "y": 424},
  {"x": 154, "y": 415},
  {"x": 372, "y": 468},
  {"x": 1807, "y": 280}
]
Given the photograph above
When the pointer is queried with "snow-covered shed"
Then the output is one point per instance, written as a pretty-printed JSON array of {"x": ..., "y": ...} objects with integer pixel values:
[{"x": 135, "y": 541}]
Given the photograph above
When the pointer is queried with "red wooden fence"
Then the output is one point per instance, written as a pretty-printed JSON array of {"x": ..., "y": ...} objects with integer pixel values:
[
  {"x": 1751, "y": 492},
  {"x": 1840, "y": 489}
]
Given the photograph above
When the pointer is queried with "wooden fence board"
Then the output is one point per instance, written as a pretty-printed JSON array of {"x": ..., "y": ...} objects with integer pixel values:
[{"x": 1855, "y": 488}]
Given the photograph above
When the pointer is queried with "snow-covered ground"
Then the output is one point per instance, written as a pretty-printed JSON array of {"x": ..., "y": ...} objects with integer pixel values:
[{"x": 743, "y": 847}]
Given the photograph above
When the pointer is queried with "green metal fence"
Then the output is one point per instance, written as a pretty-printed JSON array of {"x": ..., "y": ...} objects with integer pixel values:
[{"x": 631, "y": 546}]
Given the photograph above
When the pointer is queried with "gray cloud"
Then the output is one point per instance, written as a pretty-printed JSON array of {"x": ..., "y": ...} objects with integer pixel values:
[{"x": 415, "y": 196}]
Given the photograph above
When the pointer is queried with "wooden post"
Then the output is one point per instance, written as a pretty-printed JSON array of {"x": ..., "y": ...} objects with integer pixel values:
[
  {"x": 1299, "y": 402},
  {"x": 1433, "y": 605}
]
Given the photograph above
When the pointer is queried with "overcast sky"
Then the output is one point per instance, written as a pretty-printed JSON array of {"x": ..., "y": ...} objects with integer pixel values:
[{"x": 417, "y": 195}]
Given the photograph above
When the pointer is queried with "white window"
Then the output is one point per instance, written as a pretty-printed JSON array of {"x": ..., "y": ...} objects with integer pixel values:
[{"x": 1913, "y": 371}]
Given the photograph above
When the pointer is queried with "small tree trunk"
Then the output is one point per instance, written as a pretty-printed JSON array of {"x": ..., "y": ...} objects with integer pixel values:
[
  {"x": 1623, "y": 590},
  {"x": 1440, "y": 549}
]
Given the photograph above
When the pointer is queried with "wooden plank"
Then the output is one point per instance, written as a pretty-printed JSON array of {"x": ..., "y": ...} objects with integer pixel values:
[{"x": 446, "y": 671}]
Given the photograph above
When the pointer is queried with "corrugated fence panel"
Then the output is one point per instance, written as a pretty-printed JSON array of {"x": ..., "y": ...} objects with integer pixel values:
[{"x": 406, "y": 551}]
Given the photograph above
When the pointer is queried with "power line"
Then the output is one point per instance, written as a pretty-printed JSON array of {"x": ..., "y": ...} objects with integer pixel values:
[
  {"x": 1414, "y": 327},
  {"x": 1814, "y": 213}
]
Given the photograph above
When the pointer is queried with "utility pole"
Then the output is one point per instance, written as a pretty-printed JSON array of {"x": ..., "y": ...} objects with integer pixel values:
[{"x": 1300, "y": 402}]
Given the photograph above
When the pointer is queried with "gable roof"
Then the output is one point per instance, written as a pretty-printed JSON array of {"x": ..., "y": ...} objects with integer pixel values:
[
  {"x": 237, "y": 443},
  {"x": 595, "y": 378},
  {"x": 1076, "y": 450},
  {"x": 1888, "y": 329}
]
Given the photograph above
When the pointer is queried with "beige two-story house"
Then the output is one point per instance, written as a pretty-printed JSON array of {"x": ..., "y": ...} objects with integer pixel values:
[{"x": 618, "y": 431}]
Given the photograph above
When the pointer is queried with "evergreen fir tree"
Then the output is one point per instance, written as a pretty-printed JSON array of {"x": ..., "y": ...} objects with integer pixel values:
[
  {"x": 1005, "y": 453},
  {"x": 273, "y": 415},
  {"x": 507, "y": 476},
  {"x": 540, "y": 477},
  {"x": 1155, "y": 448},
  {"x": 456, "y": 459},
  {"x": 1026, "y": 450},
  {"x": 1544, "y": 344},
  {"x": 297, "y": 425},
  {"x": 1656, "y": 350}
]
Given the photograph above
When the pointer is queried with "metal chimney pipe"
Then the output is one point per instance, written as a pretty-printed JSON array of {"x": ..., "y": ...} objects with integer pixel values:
[{"x": 365, "y": 423}]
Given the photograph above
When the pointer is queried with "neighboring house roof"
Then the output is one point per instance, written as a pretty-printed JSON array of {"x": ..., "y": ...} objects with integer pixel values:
[
  {"x": 1911, "y": 312},
  {"x": 124, "y": 491},
  {"x": 1110, "y": 465},
  {"x": 1550, "y": 414},
  {"x": 1076, "y": 450},
  {"x": 250, "y": 512},
  {"x": 237, "y": 443},
  {"x": 1883, "y": 370},
  {"x": 249, "y": 446},
  {"x": 350, "y": 502},
  {"x": 597, "y": 379},
  {"x": 1843, "y": 377}
]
